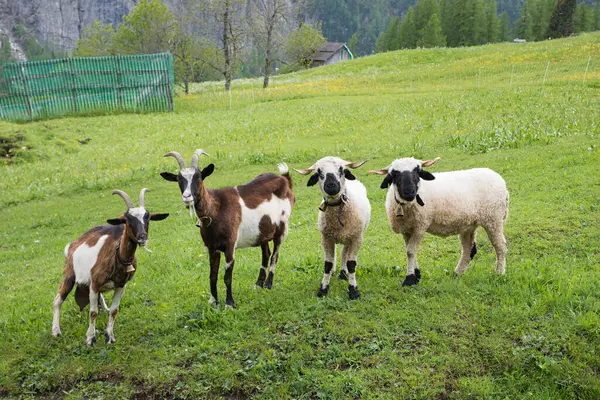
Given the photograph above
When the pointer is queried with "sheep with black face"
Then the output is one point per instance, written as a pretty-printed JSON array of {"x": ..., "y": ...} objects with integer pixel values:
[
  {"x": 444, "y": 204},
  {"x": 344, "y": 215}
]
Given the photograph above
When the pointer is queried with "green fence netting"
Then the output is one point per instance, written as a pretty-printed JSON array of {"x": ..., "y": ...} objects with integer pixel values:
[{"x": 41, "y": 89}]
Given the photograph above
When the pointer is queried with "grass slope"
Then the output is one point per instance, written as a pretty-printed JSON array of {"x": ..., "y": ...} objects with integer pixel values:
[{"x": 532, "y": 334}]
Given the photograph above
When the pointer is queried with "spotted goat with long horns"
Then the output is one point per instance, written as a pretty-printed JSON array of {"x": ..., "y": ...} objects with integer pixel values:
[
  {"x": 344, "y": 215},
  {"x": 229, "y": 218},
  {"x": 103, "y": 259}
]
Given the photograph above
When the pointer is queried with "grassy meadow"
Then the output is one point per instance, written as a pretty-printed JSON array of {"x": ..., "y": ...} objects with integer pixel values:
[{"x": 531, "y": 112}]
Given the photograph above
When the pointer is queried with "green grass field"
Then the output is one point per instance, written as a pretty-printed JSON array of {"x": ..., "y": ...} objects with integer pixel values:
[{"x": 534, "y": 333}]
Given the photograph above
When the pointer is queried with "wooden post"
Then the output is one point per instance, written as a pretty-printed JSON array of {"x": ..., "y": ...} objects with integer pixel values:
[
  {"x": 26, "y": 91},
  {"x": 73, "y": 86},
  {"x": 119, "y": 89},
  {"x": 169, "y": 87}
]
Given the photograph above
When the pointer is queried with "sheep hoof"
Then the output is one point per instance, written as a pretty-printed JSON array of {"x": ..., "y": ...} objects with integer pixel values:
[
  {"x": 91, "y": 341},
  {"x": 410, "y": 280},
  {"x": 418, "y": 274},
  {"x": 260, "y": 283},
  {"x": 230, "y": 303},
  {"x": 56, "y": 332},
  {"x": 343, "y": 275},
  {"x": 473, "y": 250},
  {"x": 323, "y": 291},
  {"x": 353, "y": 292}
]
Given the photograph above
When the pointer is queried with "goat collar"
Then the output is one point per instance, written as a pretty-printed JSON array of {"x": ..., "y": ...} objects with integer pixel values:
[
  {"x": 119, "y": 260},
  {"x": 206, "y": 216},
  {"x": 340, "y": 202}
]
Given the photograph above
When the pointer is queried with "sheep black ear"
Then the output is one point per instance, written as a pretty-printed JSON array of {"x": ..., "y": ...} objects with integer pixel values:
[
  {"x": 420, "y": 200},
  {"x": 207, "y": 171},
  {"x": 314, "y": 178},
  {"x": 349, "y": 175},
  {"x": 386, "y": 182},
  {"x": 117, "y": 221},
  {"x": 158, "y": 217},
  {"x": 169, "y": 176},
  {"x": 426, "y": 175}
]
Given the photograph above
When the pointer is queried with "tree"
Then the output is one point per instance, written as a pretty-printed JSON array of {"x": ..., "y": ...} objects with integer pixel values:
[
  {"x": 432, "y": 35},
  {"x": 302, "y": 43},
  {"x": 597, "y": 15},
  {"x": 269, "y": 18},
  {"x": 389, "y": 39},
  {"x": 493, "y": 22},
  {"x": 505, "y": 30},
  {"x": 148, "y": 28},
  {"x": 96, "y": 40},
  {"x": 561, "y": 22},
  {"x": 408, "y": 30},
  {"x": 583, "y": 20}
]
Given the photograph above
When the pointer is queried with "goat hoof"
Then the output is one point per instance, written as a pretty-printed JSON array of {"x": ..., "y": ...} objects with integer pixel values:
[
  {"x": 91, "y": 341},
  {"x": 323, "y": 291},
  {"x": 108, "y": 338},
  {"x": 343, "y": 275},
  {"x": 418, "y": 274},
  {"x": 269, "y": 282},
  {"x": 260, "y": 283},
  {"x": 56, "y": 332},
  {"x": 353, "y": 292},
  {"x": 410, "y": 280}
]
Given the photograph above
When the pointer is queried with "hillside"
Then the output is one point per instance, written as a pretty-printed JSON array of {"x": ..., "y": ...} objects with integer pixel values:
[{"x": 529, "y": 112}]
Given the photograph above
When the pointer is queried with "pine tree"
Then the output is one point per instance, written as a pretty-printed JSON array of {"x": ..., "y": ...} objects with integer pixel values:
[
  {"x": 505, "y": 30},
  {"x": 493, "y": 25},
  {"x": 432, "y": 35},
  {"x": 408, "y": 30},
  {"x": 561, "y": 22},
  {"x": 597, "y": 15},
  {"x": 528, "y": 22}
]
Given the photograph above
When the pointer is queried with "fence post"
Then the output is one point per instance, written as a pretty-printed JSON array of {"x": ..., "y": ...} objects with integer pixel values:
[
  {"x": 119, "y": 90},
  {"x": 26, "y": 91},
  {"x": 545, "y": 75},
  {"x": 73, "y": 86},
  {"x": 512, "y": 72},
  {"x": 169, "y": 85},
  {"x": 586, "y": 69}
]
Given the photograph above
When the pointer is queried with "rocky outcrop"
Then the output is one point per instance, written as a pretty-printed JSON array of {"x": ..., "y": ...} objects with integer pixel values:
[{"x": 59, "y": 23}]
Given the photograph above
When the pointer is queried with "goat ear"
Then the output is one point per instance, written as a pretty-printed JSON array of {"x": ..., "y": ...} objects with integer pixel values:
[
  {"x": 207, "y": 171},
  {"x": 313, "y": 180},
  {"x": 158, "y": 217},
  {"x": 117, "y": 221},
  {"x": 349, "y": 175},
  {"x": 169, "y": 176},
  {"x": 386, "y": 182},
  {"x": 426, "y": 175}
]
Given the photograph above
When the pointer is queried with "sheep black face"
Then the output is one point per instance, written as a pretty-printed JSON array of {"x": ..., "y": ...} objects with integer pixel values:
[
  {"x": 137, "y": 219},
  {"x": 189, "y": 179},
  {"x": 331, "y": 174},
  {"x": 405, "y": 175}
]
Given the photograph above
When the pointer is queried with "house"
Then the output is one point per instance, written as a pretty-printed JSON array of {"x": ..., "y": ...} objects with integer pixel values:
[{"x": 331, "y": 53}]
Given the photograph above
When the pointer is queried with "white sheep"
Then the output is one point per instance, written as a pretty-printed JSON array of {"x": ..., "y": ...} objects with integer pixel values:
[
  {"x": 447, "y": 203},
  {"x": 344, "y": 216}
]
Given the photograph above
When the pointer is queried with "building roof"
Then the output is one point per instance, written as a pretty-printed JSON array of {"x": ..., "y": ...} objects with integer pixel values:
[{"x": 327, "y": 51}]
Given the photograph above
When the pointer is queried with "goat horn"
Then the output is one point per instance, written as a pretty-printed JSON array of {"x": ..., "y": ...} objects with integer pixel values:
[
  {"x": 142, "y": 192},
  {"x": 177, "y": 157},
  {"x": 196, "y": 156},
  {"x": 355, "y": 164},
  {"x": 125, "y": 197}
]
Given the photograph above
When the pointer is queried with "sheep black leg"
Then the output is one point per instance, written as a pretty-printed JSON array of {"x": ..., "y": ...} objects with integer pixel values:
[
  {"x": 473, "y": 250},
  {"x": 353, "y": 292},
  {"x": 215, "y": 260},
  {"x": 324, "y": 288}
]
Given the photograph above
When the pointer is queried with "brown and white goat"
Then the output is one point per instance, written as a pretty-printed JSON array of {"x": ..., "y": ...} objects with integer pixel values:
[
  {"x": 249, "y": 215},
  {"x": 103, "y": 259}
]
